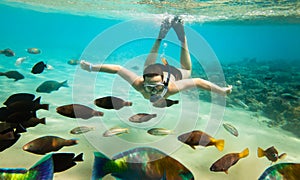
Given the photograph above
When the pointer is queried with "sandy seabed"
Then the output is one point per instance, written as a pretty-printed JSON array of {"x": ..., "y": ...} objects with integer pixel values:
[{"x": 185, "y": 116}]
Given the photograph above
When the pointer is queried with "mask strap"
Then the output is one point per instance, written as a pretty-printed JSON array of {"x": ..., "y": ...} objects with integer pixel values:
[
  {"x": 169, "y": 71},
  {"x": 154, "y": 98}
]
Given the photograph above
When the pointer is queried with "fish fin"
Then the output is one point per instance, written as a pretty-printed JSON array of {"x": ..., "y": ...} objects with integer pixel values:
[
  {"x": 65, "y": 83},
  {"x": 282, "y": 156},
  {"x": 36, "y": 103},
  {"x": 78, "y": 157},
  {"x": 226, "y": 171},
  {"x": 44, "y": 106},
  {"x": 164, "y": 177},
  {"x": 37, "y": 100},
  {"x": 244, "y": 153},
  {"x": 99, "y": 168},
  {"x": 186, "y": 175},
  {"x": 20, "y": 129},
  {"x": 44, "y": 168},
  {"x": 260, "y": 152},
  {"x": 192, "y": 146},
  {"x": 220, "y": 144}
]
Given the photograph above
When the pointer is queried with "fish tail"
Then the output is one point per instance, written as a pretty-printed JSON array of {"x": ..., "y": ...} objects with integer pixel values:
[
  {"x": 37, "y": 104},
  {"x": 78, "y": 157},
  {"x": 43, "y": 121},
  {"x": 43, "y": 169},
  {"x": 97, "y": 113},
  {"x": 220, "y": 144},
  {"x": 65, "y": 83},
  {"x": 44, "y": 106},
  {"x": 244, "y": 153},
  {"x": 175, "y": 102},
  {"x": 260, "y": 152},
  {"x": 101, "y": 166},
  {"x": 71, "y": 142},
  {"x": 127, "y": 103}
]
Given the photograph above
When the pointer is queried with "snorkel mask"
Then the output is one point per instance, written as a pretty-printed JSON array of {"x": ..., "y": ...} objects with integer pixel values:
[{"x": 156, "y": 97}]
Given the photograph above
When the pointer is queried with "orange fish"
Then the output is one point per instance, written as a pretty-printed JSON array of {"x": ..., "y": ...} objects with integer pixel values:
[
  {"x": 196, "y": 138},
  {"x": 225, "y": 162}
]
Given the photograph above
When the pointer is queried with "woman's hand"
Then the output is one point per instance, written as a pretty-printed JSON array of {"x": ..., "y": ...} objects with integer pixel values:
[
  {"x": 86, "y": 65},
  {"x": 227, "y": 90}
]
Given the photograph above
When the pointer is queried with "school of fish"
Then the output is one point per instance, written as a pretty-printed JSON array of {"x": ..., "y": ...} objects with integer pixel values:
[{"x": 20, "y": 113}]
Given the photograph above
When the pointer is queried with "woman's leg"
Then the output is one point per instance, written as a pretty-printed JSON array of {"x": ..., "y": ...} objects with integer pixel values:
[
  {"x": 185, "y": 58},
  {"x": 164, "y": 29}
]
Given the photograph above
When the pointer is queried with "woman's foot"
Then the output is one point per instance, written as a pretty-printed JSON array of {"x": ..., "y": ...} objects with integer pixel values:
[
  {"x": 165, "y": 27},
  {"x": 178, "y": 28}
]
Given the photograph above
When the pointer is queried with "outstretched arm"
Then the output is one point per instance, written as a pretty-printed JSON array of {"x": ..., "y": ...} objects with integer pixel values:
[
  {"x": 129, "y": 76},
  {"x": 199, "y": 83}
]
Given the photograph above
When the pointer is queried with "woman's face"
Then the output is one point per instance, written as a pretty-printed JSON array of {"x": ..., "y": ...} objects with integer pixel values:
[{"x": 153, "y": 84}]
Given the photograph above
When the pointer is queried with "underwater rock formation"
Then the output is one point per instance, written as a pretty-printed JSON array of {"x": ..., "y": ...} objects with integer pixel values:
[{"x": 269, "y": 88}]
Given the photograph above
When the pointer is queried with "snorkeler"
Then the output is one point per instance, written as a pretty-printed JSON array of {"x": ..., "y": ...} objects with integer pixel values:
[{"x": 162, "y": 80}]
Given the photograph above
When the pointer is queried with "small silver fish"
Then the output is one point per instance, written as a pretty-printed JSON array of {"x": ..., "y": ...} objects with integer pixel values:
[
  {"x": 241, "y": 103},
  {"x": 159, "y": 131},
  {"x": 115, "y": 131},
  {"x": 141, "y": 117},
  {"x": 81, "y": 129},
  {"x": 20, "y": 60},
  {"x": 230, "y": 128}
]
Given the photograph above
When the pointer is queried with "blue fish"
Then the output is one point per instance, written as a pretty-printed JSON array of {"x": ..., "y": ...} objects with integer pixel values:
[
  {"x": 281, "y": 171},
  {"x": 49, "y": 86},
  {"x": 140, "y": 163},
  {"x": 43, "y": 169}
]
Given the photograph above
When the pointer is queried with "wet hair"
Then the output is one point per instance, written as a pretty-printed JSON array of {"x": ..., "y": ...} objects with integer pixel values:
[{"x": 153, "y": 70}]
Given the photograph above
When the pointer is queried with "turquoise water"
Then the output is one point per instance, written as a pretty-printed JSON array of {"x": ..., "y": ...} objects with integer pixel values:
[{"x": 246, "y": 50}]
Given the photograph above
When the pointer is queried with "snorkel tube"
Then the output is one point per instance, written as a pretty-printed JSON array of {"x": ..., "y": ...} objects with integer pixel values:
[{"x": 156, "y": 97}]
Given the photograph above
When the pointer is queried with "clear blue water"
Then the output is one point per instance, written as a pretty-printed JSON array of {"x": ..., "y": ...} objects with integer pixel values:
[{"x": 62, "y": 36}]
